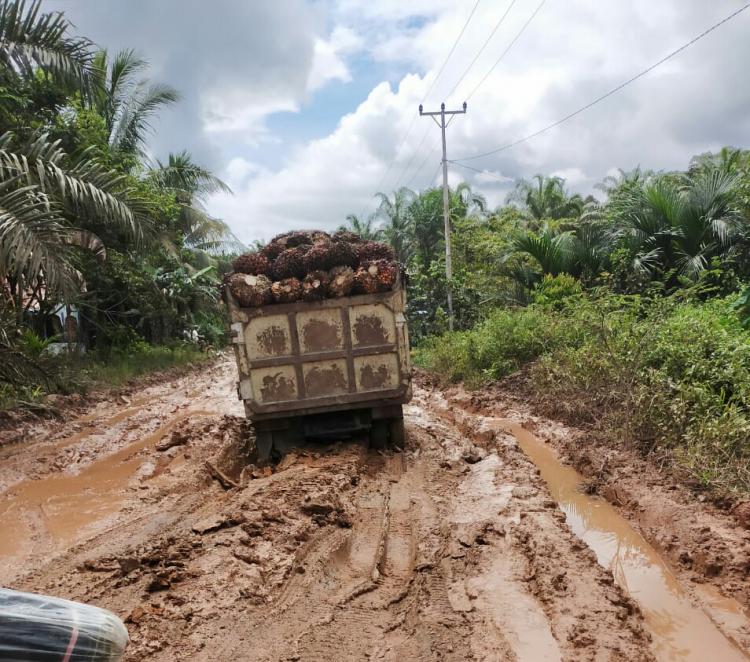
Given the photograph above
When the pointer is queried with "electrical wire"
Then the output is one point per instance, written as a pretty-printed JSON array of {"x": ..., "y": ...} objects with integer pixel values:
[
  {"x": 505, "y": 52},
  {"x": 414, "y": 118},
  {"x": 453, "y": 48},
  {"x": 481, "y": 171},
  {"x": 481, "y": 50},
  {"x": 513, "y": 41},
  {"x": 430, "y": 154},
  {"x": 614, "y": 90}
]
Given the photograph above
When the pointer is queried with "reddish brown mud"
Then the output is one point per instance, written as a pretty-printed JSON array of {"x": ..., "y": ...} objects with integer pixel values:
[{"x": 454, "y": 549}]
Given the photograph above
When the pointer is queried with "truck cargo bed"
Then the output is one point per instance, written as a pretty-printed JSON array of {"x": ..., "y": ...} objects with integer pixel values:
[{"x": 311, "y": 357}]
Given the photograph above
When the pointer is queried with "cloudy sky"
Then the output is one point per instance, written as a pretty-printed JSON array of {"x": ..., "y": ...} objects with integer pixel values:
[{"x": 307, "y": 108}]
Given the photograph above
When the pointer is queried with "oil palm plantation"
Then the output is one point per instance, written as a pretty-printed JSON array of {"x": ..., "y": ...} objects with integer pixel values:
[
  {"x": 191, "y": 184},
  {"x": 364, "y": 227},
  {"x": 546, "y": 198},
  {"x": 678, "y": 225},
  {"x": 50, "y": 201}
]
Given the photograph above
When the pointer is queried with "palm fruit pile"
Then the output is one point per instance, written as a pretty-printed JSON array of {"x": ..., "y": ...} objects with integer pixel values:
[{"x": 311, "y": 266}]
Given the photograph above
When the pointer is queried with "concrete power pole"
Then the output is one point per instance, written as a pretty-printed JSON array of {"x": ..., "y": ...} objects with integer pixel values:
[{"x": 446, "y": 199}]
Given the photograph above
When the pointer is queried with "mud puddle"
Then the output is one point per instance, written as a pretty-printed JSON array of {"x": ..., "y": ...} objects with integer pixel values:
[
  {"x": 680, "y": 631},
  {"x": 60, "y": 505}
]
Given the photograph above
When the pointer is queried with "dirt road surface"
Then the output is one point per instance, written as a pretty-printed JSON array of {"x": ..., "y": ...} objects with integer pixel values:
[{"x": 472, "y": 543}]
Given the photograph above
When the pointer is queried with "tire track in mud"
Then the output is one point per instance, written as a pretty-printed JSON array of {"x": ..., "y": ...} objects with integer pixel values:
[
  {"x": 681, "y": 630},
  {"x": 450, "y": 550}
]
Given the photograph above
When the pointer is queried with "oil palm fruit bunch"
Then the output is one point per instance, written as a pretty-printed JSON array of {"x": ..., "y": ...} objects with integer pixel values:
[
  {"x": 343, "y": 254},
  {"x": 318, "y": 235},
  {"x": 253, "y": 264},
  {"x": 249, "y": 290},
  {"x": 289, "y": 264},
  {"x": 272, "y": 250},
  {"x": 318, "y": 257},
  {"x": 284, "y": 241},
  {"x": 364, "y": 282},
  {"x": 385, "y": 273},
  {"x": 287, "y": 290},
  {"x": 347, "y": 235},
  {"x": 373, "y": 250},
  {"x": 315, "y": 286},
  {"x": 341, "y": 281}
]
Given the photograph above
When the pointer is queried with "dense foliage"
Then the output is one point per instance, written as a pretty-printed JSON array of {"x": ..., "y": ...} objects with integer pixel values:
[
  {"x": 90, "y": 228},
  {"x": 628, "y": 314}
]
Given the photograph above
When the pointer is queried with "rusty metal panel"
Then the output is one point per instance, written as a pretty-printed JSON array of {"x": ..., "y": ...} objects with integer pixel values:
[
  {"x": 278, "y": 384},
  {"x": 377, "y": 372},
  {"x": 372, "y": 324},
  {"x": 325, "y": 378},
  {"x": 267, "y": 337},
  {"x": 320, "y": 330}
]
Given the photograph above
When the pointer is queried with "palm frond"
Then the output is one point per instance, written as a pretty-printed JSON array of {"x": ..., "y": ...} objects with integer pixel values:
[
  {"x": 136, "y": 112},
  {"x": 32, "y": 238},
  {"x": 85, "y": 187},
  {"x": 181, "y": 173},
  {"x": 30, "y": 39}
]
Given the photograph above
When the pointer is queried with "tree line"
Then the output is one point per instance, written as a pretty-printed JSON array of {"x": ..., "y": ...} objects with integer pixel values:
[
  {"x": 646, "y": 231},
  {"x": 87, "y": 217}
]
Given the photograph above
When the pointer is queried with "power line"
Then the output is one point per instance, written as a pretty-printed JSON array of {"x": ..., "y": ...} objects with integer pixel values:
[
  {"x": 453, "y": 48},
  {"x": 414, "y": 118},
  {"x": 611, "y": 92},
  {"x": 505, "y": 52},
  {"x": 481, "y": 50},
  {"x": 480, "y": 171},
  {"x": 429, "y": 155}
]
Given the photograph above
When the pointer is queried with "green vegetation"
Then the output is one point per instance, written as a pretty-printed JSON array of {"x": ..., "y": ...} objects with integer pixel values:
[
  {"x": 99, "y": 245},
  {"x": 628, "y": 314},
  {"x": 668, "y": 375}
]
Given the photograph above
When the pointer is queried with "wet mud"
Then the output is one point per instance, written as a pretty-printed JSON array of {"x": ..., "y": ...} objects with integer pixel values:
[{"x": 466, "y": 545}]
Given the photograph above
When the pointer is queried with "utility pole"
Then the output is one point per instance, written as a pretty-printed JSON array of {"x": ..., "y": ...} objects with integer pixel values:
[{"x": 446, "y": 199}]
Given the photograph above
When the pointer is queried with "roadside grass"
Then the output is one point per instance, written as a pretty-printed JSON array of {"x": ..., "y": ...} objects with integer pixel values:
[
  {"x": 670, "y": 377},
  {"x": 100, "y": 370}
]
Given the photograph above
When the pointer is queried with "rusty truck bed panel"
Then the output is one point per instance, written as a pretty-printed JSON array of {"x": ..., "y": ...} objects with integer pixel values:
[{"x": 316, "y": 356}]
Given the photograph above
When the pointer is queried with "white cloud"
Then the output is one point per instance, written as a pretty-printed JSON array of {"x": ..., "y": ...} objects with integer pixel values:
[
  {"x": 492, "y": 178},
  {"x": 328, "y": 58},
  {"x": 573, "y": 176},
  {"x": 251, "y": 61},
  {"x": 569, "y": 55},
  {"x": 242, "y": 113}
]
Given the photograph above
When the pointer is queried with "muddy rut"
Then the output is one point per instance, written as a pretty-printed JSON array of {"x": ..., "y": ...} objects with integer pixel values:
[{"x": 457, "y": 547}]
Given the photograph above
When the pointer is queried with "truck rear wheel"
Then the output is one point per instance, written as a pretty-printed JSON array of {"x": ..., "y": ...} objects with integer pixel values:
[
  {"x": 397, "y": 433},
  {"x": 387, "y": 432}
]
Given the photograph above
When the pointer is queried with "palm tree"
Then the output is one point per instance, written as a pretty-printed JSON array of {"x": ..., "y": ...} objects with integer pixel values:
[
  {"x": 546, "y": 198},
  {"x": 127, "y": 101},
  {"x": 469, "y": 202},
  {"x": 49, "y": 203},
  {"x": 31, "y": 40},
  {"x": 398, "y": 221},
  {"x": 680, "y": 224},
  {"x": 552, "y": 251},
  {"x": 365, "y": 228},
  {"x": 191, "y": 184}
]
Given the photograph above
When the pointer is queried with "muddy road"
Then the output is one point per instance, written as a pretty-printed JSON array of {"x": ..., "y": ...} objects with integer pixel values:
[{"x": 474, "y": 542}]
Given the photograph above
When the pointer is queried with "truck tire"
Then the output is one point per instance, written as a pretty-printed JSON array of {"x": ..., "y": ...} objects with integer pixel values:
[
  {"x": 396, "y": 432},
  {"x": 379, "y": 434},
  {"x": 264, "y": 444}
]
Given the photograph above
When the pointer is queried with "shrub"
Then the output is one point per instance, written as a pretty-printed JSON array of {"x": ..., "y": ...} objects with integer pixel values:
[{"x": 668, "y": 376}]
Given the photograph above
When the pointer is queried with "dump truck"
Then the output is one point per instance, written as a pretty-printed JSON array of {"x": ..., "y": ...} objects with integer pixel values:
[{"x": 322, "y": 370}]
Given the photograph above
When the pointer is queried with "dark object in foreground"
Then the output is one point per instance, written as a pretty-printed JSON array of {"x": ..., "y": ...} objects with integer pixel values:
[{"x": 40, "y": 628}]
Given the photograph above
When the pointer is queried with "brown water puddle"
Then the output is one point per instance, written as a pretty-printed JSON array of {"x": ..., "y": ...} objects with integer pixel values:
[
  {"x": 680, "y": 631},
  {"x": 61, "y": 505}
]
